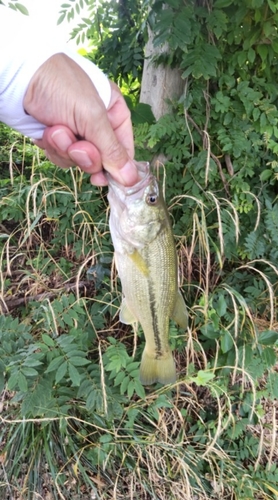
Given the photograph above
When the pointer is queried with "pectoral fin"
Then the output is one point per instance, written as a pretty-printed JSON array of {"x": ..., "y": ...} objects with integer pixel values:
[
  {"x": 180, "y": 314},
  {"x": 139, "y": 262},
  {"x": 126, "y": 316}
]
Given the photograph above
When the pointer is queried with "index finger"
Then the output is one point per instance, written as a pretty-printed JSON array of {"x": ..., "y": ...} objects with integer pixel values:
[
  {"x": 115, "y": 146},
  {"x": 120, "y": 118}
]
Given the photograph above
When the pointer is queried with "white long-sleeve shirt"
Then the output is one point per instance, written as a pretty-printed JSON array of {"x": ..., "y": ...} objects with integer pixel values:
[{"x": 24, "y": 46}]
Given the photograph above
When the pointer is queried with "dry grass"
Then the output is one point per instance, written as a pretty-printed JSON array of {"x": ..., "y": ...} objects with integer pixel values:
[{"x": 175, "y": 450}]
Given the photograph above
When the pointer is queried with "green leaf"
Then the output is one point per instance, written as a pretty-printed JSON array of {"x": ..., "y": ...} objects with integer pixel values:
[
  {"x": 269, "y": 356},
  {"x": 62, "y": 370},
  {"x": 114, "y": 366},
  {"x": 132, "y": 366},
  {"x": 228, "y": 118},
  {"x": 74, "y": 375},
  {"x": 124, "y": 384},
  {"x": 54, "y": 364},
  {"x": 22, "y": 382},
  {"x": 268, "y": 337},
  {"x": 91, "y": 400},
  {"x": 13, "y": 381},
  {"x": 78, "y": 361},
  {"x": 173, "y": 3},
  {"x": 226, "y": 342},
  {"x": 130, "y": 389},
  {"x": 256, "y": 114},
  {"x": 142, "y": 113},
  {"x": 272, "y": 384},
  {"x": 106, "y": 438},
  {"x": 61, "y": 18},
  {"x": 203, "y": 377},
  {"x": 32, "y": 362},
  {"x": 266, "y": 174},
  {"x": 241, "y": 57},
  {"x": 33, "y": 225},
  {"x": 29, "y": 372},
  {"x": 119, "y": 378},
  {"x": 48, "y": 340},
  {"x": 68, "y": 319},
  {"x": 72, "y": 352},
  {"x": 37, "y": 399},
  {"x": 209, "y": 331},
  {"x": 2, "y": 382},
  {"x": 188, "y": 71},
  {"x": 21, "y": 8},
  {"x": 272, "y": 5},
  {"x": 65, "y": 341},
  {"x": 251, "y": 55},
  {"x": 139, "y": 389},
  {"x": 257, "y": 3},
  {"x": 221, "y": 306},
  {"x": 163, "y": 402},
  {"x": 220, "y": 4},
  {"x": 112, "y": 340},
  {"x": 262, "y": 51}
]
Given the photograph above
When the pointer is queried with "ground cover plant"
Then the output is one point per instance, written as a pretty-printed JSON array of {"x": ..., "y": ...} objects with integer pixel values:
[{"x": 75, "y": 420}]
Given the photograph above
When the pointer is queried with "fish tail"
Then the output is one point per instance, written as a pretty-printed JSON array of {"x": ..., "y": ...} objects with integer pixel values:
[{"x": 161, "y": 370}]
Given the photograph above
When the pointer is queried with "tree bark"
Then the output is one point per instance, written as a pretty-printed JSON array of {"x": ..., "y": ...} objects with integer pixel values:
[{"x": 159, "y": 83}]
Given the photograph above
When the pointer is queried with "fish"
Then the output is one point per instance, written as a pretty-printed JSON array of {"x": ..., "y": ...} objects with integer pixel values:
[{"x": 146, "y": 262}]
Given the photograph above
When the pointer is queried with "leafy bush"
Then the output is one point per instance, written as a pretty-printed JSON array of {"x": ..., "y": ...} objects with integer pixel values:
[{"x": 68, "y": 368}]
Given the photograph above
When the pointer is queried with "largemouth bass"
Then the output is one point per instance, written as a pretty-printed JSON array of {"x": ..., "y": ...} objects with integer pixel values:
[{"x": 146, "y": 261}]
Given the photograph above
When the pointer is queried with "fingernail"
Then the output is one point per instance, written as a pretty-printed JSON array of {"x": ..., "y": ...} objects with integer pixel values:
[
  {"x": 129, "y": 174},
  {"x": 61, "y": 140},
  {"x": 80, "y": 157}
]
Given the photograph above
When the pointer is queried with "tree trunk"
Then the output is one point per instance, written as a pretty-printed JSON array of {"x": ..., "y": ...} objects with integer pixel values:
[{"x": 159, "y": 83}]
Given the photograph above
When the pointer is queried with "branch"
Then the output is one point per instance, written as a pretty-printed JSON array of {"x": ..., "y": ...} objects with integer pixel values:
[
  {"x": 11, "y": 304},
  {"x": 215, "y": 159}
]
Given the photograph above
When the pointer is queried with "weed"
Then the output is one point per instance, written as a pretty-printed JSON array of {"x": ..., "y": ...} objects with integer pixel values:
[{"x": 75, "y": 419}]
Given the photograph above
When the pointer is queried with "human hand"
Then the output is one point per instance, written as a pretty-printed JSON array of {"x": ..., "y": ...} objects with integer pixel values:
[{"x": 79, "y": 133}]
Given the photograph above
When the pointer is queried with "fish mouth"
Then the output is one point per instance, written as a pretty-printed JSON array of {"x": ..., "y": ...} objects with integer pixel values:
[{"x": 143, "y": 168}]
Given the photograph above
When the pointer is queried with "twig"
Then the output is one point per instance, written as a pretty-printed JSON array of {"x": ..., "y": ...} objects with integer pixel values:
[
  {"x": 229, "y": 165},
  {"x": 215, "y": 159},
  {"x": 13, "y": 303}
]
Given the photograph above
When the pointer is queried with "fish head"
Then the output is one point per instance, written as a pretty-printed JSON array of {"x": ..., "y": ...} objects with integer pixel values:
[{"x": 137, "y": 213}]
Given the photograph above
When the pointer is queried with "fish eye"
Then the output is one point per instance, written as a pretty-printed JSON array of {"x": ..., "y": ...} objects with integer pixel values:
[{"x": 152, "y": 199}]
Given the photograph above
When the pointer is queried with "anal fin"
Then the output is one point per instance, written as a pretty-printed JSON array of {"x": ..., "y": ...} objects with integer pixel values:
[
  {"x": 180, "y": 314},
  {"x": 126, "y": 316}
]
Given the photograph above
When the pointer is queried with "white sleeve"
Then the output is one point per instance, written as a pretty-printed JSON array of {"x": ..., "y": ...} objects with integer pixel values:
[{"x": 24, "y": 46}]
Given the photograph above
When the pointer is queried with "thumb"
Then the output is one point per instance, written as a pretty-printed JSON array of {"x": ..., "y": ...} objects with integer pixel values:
[
  {"x": 112, "y": 134},
  {"x": 115, "y": 159}
]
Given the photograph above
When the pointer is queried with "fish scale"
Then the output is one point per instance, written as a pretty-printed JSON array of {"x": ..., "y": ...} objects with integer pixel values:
[{"x": 158, "y": 287}]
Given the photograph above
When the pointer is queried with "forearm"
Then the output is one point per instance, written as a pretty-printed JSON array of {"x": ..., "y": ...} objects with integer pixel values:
[{"x": 43, "y": 84}]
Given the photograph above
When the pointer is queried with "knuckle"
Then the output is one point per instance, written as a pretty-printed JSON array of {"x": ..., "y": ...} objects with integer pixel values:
[{"x": 114, "y": 152}]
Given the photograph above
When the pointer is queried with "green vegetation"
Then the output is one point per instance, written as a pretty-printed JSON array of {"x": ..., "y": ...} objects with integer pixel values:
[{"x": 75, "y": 420}]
